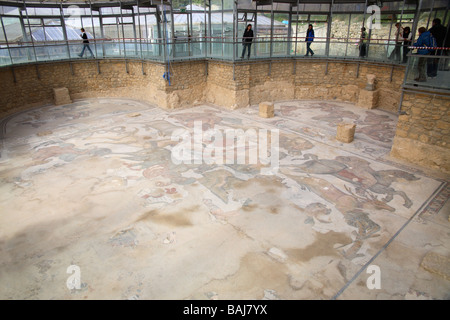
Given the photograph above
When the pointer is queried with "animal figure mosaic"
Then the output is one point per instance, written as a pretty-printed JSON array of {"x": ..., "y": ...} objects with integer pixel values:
[
  {"x": 358, "y": 172},
  {"x": 349, "y": 204},
  {"x": 208, "y": 119},
  {"x": 376, "y": 126},
  {"x": 379, "y": 127}
]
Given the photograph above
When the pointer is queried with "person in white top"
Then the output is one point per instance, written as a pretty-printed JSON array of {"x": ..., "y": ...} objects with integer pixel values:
[{"x": 396, "y": 55}]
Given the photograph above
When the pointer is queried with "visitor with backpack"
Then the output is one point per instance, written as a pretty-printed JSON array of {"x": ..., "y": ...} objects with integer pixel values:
[{"x": 425, "y": 40}]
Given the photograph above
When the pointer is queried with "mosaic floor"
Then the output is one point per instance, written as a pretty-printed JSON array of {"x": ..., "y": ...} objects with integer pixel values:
[{"x": 93, "y": 185}]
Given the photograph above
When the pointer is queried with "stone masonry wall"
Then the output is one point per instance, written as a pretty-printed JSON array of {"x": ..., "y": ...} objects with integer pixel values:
[
  {"x": 187, "y": 84},
  {"x": 286, "y": 80},
  {"x": 423, "y": 132},
  {"x": 271, "y": 82},
  {"x": 31, "y": 90},
  {"x": 342, "y": 81},
  {"x": 222, "y": 90},
  {"x": 194, "y": 82}
]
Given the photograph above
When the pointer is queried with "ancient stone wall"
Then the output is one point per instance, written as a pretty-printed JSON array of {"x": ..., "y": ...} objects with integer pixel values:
[
  {"x": 35, "y": 83},
  {"x": 222, "y": 89},
  {"x": 343, "y": 81},
  {"x": 423, "y": 132},
  {"x": 187, "y": 84},
  {"x": 198, "y": 81},
  {"x": 255, "y": 82},
  {"x": 271, "y": 81}
]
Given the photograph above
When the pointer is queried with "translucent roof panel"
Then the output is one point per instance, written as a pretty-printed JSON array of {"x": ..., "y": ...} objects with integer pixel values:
[
  {"x": 73, "y": 34},
  {"x": 198, "y": 18},
  {"x": 56, "y": 34},
  {"x": 39, "y": 35}
]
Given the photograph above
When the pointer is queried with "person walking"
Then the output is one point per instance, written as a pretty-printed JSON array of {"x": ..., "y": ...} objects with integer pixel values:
[
  {"x": 424, "y": 40},
  {"x": 309, "y": 39},
  {"x": 363, "y": 43},
  {"x": 247, "y": 39},
  {"x": 395, "y": 54},
  {"x": 85, "y": 44},
  {"x": 407, "y": 35}
]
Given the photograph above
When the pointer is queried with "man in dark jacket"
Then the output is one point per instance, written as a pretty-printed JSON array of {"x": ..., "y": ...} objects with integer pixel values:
[
  {"x": 247, "y": 39},
  {"x": 438, "y": 31},
  {"x": 85, "y": 44}
]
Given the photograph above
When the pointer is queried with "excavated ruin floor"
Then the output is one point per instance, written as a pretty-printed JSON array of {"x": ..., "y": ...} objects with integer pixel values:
[{"x": 92, "y": 187}]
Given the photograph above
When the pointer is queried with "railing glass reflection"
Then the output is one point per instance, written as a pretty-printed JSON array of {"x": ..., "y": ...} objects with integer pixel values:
[
  {"x": 428, "y": 71},
  {"x": 191, "y": 48}
]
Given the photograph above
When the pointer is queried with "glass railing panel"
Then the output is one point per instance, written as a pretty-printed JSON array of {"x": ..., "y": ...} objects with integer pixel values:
[
  {"x": 114, "y": 49},
  {"x": 58, "y": 52},
  {"x": 280, "y": 48},
  {"x": 20, "y": 54},
  {"x": 4, "y": 57},
  {"x": 228, "y": 49},
  {"x": 393, "y": 53},
  {"x": 337, "y": 49},
  {"x": 193, "y": 48},
  {"x": 42, "y": 52},
  {"x": 377, "y": 50},
  {"x": 182, "y": 48},
  {"x": 197, "y": 48},
  {"x": 216, "y": 48},
  {"x": 352, "y": 50},
  {"x": 317, "y": 46},
  {"x": 260, "y": 48},
  {"x": 132, "y": 49},
  {"x": 428, "y": 71},
  {"x": 75, "y": 49},
  {"x": 97, "y": 49}
]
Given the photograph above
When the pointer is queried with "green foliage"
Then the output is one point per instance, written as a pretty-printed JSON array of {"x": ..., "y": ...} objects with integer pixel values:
[{"x": 177, "y": 4}]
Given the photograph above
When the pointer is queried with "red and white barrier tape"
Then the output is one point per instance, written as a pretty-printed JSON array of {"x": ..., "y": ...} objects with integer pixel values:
[{"x": 430, "y": 48}]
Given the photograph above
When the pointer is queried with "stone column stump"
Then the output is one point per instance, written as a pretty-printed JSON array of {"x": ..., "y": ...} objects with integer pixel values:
[
  {"x": 370, "y": 85},
  {"x": 266, "y": 110},
  {"x": 368, "y": 99},
  {"x": 345, "y": 132},
  {"x": 61, "y": 96}
]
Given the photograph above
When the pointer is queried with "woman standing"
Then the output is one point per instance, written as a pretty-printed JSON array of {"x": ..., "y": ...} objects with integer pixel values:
[
  {"x": 247, "y": 39},
  {"x": 309, "y": 38}
]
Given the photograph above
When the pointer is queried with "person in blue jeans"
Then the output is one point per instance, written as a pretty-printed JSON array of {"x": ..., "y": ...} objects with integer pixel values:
[
  {"x": 309, "y": 38},
  {"x": 247, "y": 39},
  {"x": 85, "y": 44}
]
